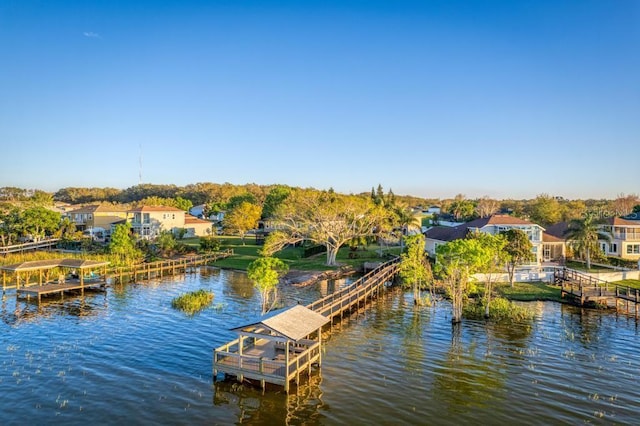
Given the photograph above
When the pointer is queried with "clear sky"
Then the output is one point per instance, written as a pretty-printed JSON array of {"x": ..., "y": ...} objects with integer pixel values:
[{"x": 429, "y": 98}]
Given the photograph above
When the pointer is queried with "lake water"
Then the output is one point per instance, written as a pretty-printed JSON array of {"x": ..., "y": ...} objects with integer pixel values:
[{"x": 124, "y": 356}]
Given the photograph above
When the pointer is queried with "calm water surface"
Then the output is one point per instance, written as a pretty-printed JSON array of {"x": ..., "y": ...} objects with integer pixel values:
[{"x": 125, "y": 356}]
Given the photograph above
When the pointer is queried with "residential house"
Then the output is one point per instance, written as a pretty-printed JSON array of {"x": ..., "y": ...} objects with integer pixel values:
[
  {"x": 197, "y": 227},
  {"x": 148, "y": 221},
  {"x": 554, "y": 243},
  {"x": 493, "y": 225},
  {"x": 99, "y": 216},
  {"x": 625, "y": 238}
]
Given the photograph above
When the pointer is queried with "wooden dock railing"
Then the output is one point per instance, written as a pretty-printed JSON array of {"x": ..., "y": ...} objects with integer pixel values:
[
  {"x": 586, "y": 288},
  {"x": 164, "y": 267},
  {"x": 227, "y": 357},
  {"x": 33, "y": 245}
]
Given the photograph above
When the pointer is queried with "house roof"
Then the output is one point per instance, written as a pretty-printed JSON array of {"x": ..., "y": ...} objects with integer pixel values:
[
  {"x": 50, "y": 264},
  {"x": 557, "y": 230},
  {"x": 156, "y": 209},
  {"x": 194, "y": 220},
  {"x": 98, "y": 208},
  {"x": 445, "y": 233},
  {"x": 549, "y": 238},
  {"x": 618, "y": 221},
  {"x": 294, "y": 323}
]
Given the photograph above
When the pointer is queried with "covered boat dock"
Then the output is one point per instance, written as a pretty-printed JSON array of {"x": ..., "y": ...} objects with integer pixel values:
[
  {"x": 55, "y": 276},
  {"x": 275, "y": 348}
]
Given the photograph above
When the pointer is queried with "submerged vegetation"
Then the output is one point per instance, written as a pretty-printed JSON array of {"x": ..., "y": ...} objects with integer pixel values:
[{"x": 193, "y": 302}]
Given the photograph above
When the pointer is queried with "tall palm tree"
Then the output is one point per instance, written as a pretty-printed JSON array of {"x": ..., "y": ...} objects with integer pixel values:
[
  {"x": 406, "y": 220},
  {"x": 584, "y": 235}
]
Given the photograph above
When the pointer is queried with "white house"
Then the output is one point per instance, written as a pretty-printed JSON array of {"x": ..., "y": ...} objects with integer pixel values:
[
  {"x": 493, "y": 225},
  {"x": 625, "y": 238},
  {"x": 148, "y": 221}
]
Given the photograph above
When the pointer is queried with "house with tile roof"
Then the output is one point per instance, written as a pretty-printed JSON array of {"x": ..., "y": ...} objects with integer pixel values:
[{"x": 546, "y": 248}]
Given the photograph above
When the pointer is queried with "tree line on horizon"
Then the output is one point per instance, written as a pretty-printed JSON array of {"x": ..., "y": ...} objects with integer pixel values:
[{"x": 544, "y": 209}]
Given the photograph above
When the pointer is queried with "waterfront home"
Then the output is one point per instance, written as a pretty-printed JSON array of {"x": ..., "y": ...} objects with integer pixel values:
[
  {"x": 625, "y": 238},
  {"x": 100, "y": 216},
  {"x": 148, "y": 221},
  {"x": 495, "y": 224}
]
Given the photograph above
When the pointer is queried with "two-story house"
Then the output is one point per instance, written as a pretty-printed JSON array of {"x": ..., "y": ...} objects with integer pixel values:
[
  {"x": 148, "y": 221},
  {"x": 99, "y": 216},
  {"x": 496, "y": 224},
  {"x": 625, "y": 238}
]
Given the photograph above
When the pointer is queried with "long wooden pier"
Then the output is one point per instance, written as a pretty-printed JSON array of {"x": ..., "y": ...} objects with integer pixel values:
[
  {"x": 253, "y": 358},
  {"x": 46, "y": 243},
  {"x": 164, "y": 267},
  {"x": 58, "y": 276},
  {"x": 585, "y": 289}
]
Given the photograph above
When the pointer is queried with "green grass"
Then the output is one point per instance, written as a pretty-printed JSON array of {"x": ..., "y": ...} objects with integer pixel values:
[
  {"x": 193, "y": 302},
  {"x": 500, "y": 310},
  {"x": 580, "y": 266},
  {"x": 527, "y": 292},
  {"x": 292, "y": 256},
  {"x": 628, "y": 283}
]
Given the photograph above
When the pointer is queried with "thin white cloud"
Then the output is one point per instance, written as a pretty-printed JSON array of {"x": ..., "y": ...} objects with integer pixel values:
[{"x": 91, "y": 34}]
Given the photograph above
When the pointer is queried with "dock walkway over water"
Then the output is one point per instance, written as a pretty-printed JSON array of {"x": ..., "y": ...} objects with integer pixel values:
[
  {"x": 271, "y": 355},
  {"x": 46, "y": 243},
  {"x": 57, "y": 276},
  {"x": 584, "y": 289}
]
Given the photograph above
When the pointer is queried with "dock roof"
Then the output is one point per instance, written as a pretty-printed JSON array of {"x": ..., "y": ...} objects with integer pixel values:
[
  {"x": 35, "y": 265},
  {"x": 294, "y": 323}
]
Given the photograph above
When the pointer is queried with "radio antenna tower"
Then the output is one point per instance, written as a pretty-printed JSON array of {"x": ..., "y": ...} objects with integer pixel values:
[{"x": 140, "y": 169}]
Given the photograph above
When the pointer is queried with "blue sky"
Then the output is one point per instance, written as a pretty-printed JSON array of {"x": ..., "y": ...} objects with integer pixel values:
[{"x": 430, "y": 98}]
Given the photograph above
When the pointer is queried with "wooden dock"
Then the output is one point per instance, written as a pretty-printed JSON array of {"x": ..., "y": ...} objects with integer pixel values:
[
  {"x": 60, "y": 276},
  {"x": 584, "y": 289},
  {"x": 46, "y": 243},
  {"x": 147, "y": 271},
  {"x": 55, "y": 288},
  {"x": 258, "y": 359}
]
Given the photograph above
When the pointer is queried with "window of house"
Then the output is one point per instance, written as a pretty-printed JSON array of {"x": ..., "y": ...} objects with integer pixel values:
[
  {"x": 145, "y": 218},
  {"x": 173, "y": 216},
  {"x": 613, "y": 248},
  {"x": 633, "y": 249},
  {"x": 604, "y": 247}
]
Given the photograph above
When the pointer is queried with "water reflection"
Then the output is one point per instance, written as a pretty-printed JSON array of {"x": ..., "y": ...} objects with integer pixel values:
[
  {"x": 21, "y": 310},
  {"x": 303, "y": 404},
  {"x": 388, "y": 364}
]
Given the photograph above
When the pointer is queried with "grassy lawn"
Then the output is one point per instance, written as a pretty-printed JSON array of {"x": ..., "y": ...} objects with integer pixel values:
[
  {"x": 527, "y": 292},
  {"x": 580, "y": 266},
  {"x": 245, "y": 254},
  {"x": 628, "y": 283}
]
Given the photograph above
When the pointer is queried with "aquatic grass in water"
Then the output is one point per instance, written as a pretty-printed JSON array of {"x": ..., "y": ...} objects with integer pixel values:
[
  {"x": 193, "y": 302},
  {"x": 500, "y": 309}
]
